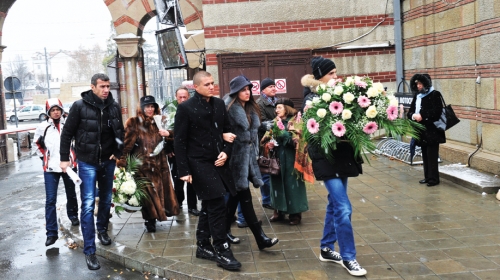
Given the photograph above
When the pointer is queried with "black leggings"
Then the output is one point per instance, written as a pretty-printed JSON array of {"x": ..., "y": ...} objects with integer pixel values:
[{"x": 245, "y": 199}]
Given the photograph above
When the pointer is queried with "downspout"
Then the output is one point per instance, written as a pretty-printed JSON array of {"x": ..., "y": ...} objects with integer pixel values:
[{"x": 398, "y": 41}]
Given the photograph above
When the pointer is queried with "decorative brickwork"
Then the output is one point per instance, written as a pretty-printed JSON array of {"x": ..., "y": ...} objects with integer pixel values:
[
  {"x": 432, "y": 9},
  {"x": 458, "y": 72},
  {"x": 295, "y": 26},
  {"x": 211, "y": 59},
  {"x": 357, "y": 52},
  {"x": 130, "y": 20}
]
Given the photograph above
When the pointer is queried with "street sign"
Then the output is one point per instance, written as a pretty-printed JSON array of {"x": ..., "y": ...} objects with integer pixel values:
[
  {"x": 12, "y": 83},
  {"x": 280, "y": 85},
  {"x": 10, "y": 95},
  {"x": 255, "y": 87}
]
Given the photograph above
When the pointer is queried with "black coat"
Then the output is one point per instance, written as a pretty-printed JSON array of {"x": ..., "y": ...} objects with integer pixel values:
[
  {"x": 431, "y": 109},
  {"x": 199, "y": 126},
  {"x": 243, "y": 161},
  {"x": 344, "y": 164},
  {"x": 85, "y": 123}
]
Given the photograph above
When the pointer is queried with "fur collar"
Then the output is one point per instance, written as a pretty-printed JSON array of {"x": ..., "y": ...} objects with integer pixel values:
[
  {"x": 309, "y": 81},
  {"x": 237, "y": 113}
]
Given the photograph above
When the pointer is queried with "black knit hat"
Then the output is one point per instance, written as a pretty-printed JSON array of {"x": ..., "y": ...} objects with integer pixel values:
[
  {"x": 266, "y": 82},
  {"x": 238, "y": 83},
  {"x": 285, "y": 101},
  {"x": 148, "y": 99},
  {"x": 321, "y": 66}
]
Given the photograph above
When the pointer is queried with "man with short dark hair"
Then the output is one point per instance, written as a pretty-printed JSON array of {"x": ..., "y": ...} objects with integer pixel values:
[
  {"x": 267, "y": 106},
  {"x": 95, "y": 121},
  {"x": 201, "y": 155}
]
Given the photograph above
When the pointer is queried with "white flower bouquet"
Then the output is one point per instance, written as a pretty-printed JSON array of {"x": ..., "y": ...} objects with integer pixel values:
[
  {"x": 128, "y": 191},
  {"x": 352, "y": 110}
]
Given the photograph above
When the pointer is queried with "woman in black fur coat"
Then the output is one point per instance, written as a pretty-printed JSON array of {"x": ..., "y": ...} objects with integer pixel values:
[
  {"x": 426, "y": 108},
  {"x": 243, "y": 114}
]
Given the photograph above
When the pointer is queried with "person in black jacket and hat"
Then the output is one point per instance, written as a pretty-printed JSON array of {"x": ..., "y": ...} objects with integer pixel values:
[
  {"x": 95, "y": 122},
  {"x": 201, "y": 155},
  {"x": 426, "y": 108}
]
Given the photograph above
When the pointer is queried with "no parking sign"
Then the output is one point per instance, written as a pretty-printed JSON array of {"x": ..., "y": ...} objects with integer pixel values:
[{"x": 280, "y": 85}]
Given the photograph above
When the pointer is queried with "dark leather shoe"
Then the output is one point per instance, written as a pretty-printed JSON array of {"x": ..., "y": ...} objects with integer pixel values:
[
  {"x": 267, "y": 206},
  {"x": 104, "y": 238},
  {"x": 74, "y": 222},
  {"x": 150, "y": 225},
  {"x": 51, "y": 240},
  {"x": 232, "y": 239},
  {"x": 424, "y": 181},
  {"x": 432, "y": 184},
  {"x": 194, "y": 212},
  {"x": 277, "y": 216},
  {"x": 295, "y": 219},
  {"x": 92, "y": 262}
]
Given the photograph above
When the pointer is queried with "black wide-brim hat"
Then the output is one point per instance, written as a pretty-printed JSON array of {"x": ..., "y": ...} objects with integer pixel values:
[
  {"x": 238, "y": 83},
  {"x": 148, "y": 99}
]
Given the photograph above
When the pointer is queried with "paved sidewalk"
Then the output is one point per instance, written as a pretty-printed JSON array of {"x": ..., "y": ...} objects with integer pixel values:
[{"x": 403, "y": 230}]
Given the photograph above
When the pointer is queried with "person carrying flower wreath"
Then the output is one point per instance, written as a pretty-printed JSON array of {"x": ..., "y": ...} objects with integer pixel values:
[
  {"x": 288, "y": 190},
  {"x": 142, "y": 136},
  {"x": 337, "y": 226}
]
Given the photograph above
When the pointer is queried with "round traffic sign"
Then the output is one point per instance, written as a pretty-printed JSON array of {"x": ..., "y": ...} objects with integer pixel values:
[{"x": 12, "y": 83}]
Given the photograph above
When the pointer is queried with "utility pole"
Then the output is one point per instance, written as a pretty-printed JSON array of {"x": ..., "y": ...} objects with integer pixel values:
[{"x": 47, "y": 71}]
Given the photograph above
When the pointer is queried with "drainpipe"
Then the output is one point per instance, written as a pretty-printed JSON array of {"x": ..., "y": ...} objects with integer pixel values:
[{"x": 398, "y": 41}]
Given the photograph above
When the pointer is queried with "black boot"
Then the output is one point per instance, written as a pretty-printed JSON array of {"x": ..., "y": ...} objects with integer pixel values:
[
  {"x": 225, "y": 258},
  {"x": 150, "y": 225},
  {"x": 205, "y": 250},
  {"x": 260, "y": 237}
]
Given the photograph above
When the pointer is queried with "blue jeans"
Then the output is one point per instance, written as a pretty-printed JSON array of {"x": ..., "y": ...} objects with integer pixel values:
[
  {"x": 51, "y": 183},
  {"x": 338, "y": 225},
  {"x": 90, "y": 174},
  {"x": 265, "y": 190}
]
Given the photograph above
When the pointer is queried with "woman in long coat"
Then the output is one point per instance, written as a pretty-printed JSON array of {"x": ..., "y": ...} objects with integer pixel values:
[
  {"x": 141, "y": 138},
  {"x": 243, "y": 114},
  {"x": 426, "y": 108},
  {"x": 288, "y": 191}
]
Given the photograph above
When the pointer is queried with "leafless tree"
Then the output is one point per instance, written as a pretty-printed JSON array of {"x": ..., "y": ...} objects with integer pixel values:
[{"x": 85, "y": 63}]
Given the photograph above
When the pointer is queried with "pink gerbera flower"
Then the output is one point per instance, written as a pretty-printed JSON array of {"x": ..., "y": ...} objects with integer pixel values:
[
  {"x": 338, "y": 129},
  {"x": 392, "y": 112},
  {"x": 299, "y": 117},
  {"x": 336, "y": 107},
  {"x": 364, "y": 101},
  {"x": 312, "y": 126},
  {"x": 360, "y": 84},
  {"x": 370, "y": 128},
  {"x": 280, "y": 125}
]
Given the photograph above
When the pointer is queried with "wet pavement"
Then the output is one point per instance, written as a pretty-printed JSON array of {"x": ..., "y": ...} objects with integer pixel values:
[{"x": 403, "y": 230}]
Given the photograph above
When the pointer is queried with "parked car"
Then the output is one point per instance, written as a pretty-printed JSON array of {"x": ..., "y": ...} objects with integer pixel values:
[
  {"x": 67, "y": 106},
  {"x": 29, "y": 112}
]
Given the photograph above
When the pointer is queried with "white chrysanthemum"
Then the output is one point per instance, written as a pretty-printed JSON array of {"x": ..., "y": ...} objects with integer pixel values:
[
  {"x": 349, "y": 81},
  {"x": 321, "y": 113},
  {"x": 348, "y": 97},
  {"x": 316, "y": 100},
  {"x": 371, "y": 112},
  {"x": 379, "y": 87},
  {"x": 338, "y": 90},
  {"x": 117, "y": 171},
  {"x": 357, "y": 78},
  {"x": 128, "y": 187},
  {"x": 326, "y": 97},
  {"x": 121, "y": 198},
  {"x": 393, "y": 100},
  {"x": 372, "y": 92},
  {"x": 133, "y": 201},
  {"x": 346, "y": 114},
  {"x": 309, "y": 103},
  {"x": 128, "y": 176}
]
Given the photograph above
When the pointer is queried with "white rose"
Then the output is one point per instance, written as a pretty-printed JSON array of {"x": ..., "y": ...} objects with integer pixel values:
[
  {"x": 346, "y": 114},
  {"x": 349, "y": 81},
  {"x": 372, "y": 92},
  {"x": 348, "y": 97},
  {"x": 338, "y": 90},
  {"x": 357, "y": 79},
  {"x": 326, "y": 97},
  {"x": 320, "y": 87},
  {"x": 117, "y": 171},
  {"x": 321, "y": 113},
  {"x": 309, "y": 103},
  {"x": 128, "y": 187},
  {"x": 371, "y": 112},
  {"x": 393, "y": 100},
  {"x": 133, "y": 201},
  {"x": 315, "y": 100},
  {"x": 379, "y": 87}
]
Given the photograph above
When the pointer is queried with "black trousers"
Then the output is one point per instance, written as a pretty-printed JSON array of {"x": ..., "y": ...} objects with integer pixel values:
[
  {"x": 430, "y": 155},
  {"x": 212, "y": 221},
  {"x": 192, "y": 201},
  {"x": 245, "y": 200}
]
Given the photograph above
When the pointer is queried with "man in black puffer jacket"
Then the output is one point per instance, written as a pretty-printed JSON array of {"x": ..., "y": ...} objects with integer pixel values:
[{"x": 95, "y": 123}]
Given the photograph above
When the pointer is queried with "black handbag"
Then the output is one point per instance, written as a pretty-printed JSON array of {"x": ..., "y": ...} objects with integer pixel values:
[
  {"x": 269, "y": 165},
  {"x": 448, "y": 119}
]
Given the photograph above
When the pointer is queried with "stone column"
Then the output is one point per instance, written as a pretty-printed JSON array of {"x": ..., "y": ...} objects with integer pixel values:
[{"x": 128, "y": 48}]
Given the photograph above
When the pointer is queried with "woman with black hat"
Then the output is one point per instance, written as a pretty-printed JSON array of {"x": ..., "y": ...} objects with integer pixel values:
[
  {"x": 142, "y": 136},
  {"x": 334, "y": 174},
  {"x": 288, "y": 191},
  {"x": 243, "y": 113}
]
